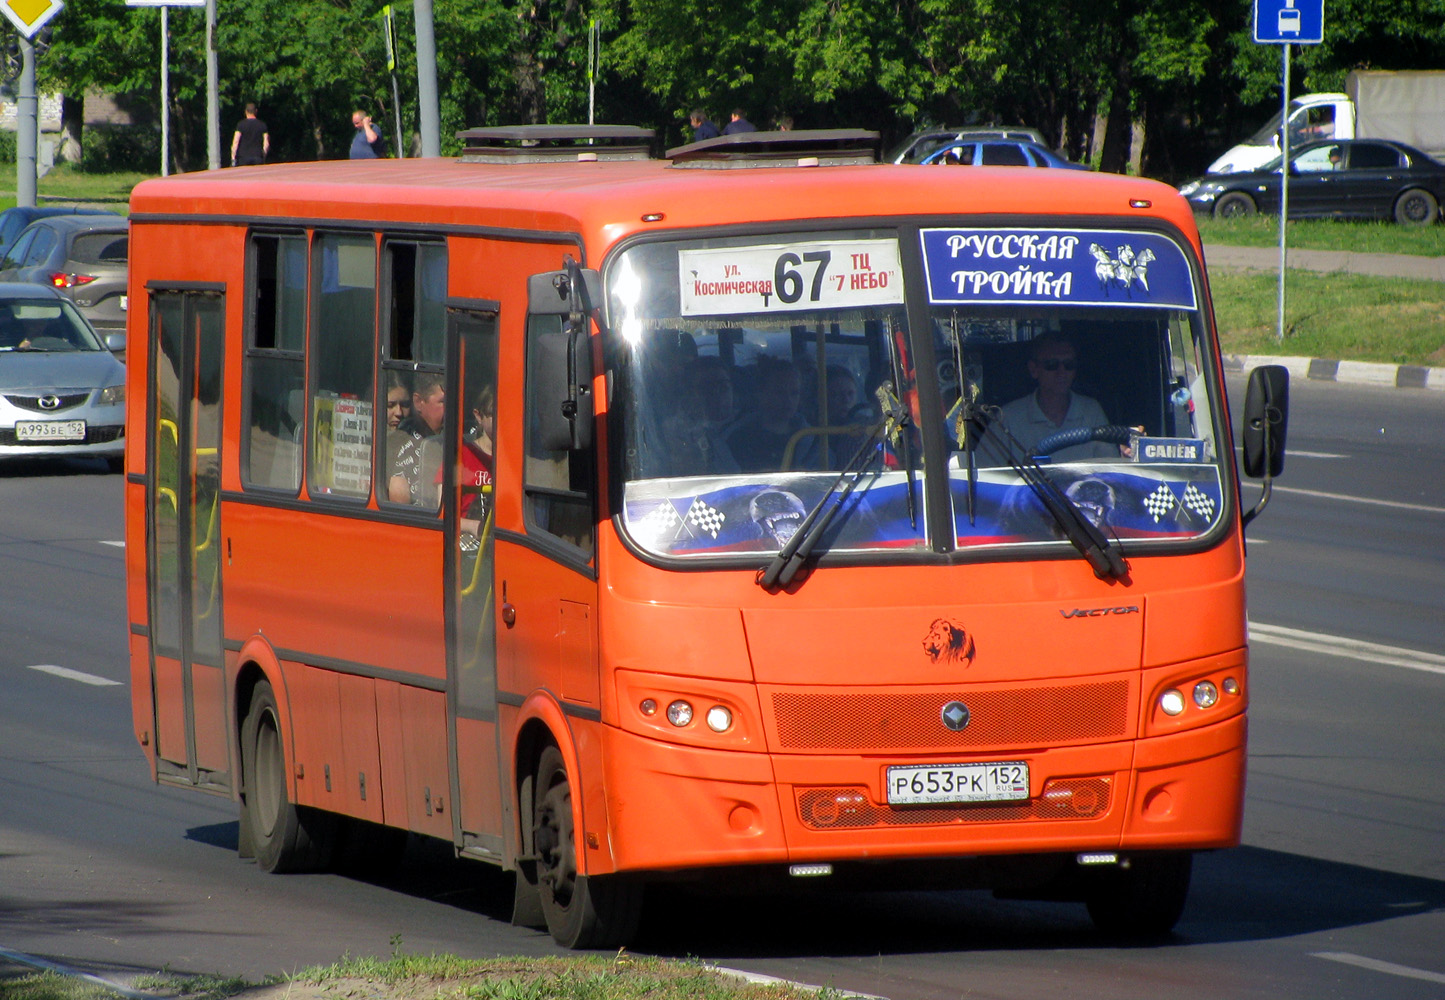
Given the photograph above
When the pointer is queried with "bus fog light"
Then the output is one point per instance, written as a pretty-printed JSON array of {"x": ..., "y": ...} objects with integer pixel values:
[
  {"x": 679, "y": 713},
  {"x": 1231, "y": 686},
  {"x": 648, "y": 707},
  {"x": 1171, "y": 701},
  {"x": 719, "y": 719},
  {"x": 1205, "y": 694}
]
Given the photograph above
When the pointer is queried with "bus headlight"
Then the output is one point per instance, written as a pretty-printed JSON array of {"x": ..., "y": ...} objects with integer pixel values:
[
  {"x": 1172, "y": 701},
  {"x": 679, "y": 713},
  {"x": 719, "y": 719},
  {"x": 1205, "y": 694}
]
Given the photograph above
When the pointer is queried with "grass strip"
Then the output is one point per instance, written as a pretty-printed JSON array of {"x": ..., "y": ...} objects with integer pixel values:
[
  {"x": 1325, "y": 234},
  {"x": 446, "y": 977},
  {"x": 1340, "y": 316}
]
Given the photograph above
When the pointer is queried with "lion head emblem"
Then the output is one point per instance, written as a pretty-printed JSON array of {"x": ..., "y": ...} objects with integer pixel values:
[{"x": 949, "y": 642}]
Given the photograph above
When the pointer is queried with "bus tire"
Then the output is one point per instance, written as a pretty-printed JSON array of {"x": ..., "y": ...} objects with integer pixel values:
[
  {"x": 581, "y": 911},
  {"x": 284, "y": 836},
  {"x": 1416, "y": 207},
  {"x": 1144, "y": 900},
  {"x": 1234, "y": 205}
]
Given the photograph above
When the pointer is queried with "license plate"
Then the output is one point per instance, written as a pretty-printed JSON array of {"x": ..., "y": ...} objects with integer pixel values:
[
  {"x": 934, "y": 784},
  {"x": 50, "y": 430}
]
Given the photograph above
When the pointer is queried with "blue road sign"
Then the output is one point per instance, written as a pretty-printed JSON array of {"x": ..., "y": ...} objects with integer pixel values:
[{"x": 1294, "y": 22}]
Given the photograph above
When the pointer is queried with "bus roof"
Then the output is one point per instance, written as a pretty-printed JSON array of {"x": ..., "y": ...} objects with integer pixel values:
[{"x": 604, "y": 201}]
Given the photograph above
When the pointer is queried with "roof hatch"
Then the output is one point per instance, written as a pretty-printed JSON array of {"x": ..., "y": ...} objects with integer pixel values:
[
  {"x": 556, "y": 143},
  {"x": 802, "y": 148}
]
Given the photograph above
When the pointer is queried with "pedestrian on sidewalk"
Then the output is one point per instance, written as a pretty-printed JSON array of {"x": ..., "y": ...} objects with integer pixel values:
[{"x": 251, "y": 142}]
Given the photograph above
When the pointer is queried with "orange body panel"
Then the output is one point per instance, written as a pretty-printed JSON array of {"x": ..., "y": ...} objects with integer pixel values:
[{"x": 342, "y": 607}]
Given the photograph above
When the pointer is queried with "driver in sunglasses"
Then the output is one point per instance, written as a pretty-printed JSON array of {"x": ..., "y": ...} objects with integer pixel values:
[{"x": 1053, "y": 405}]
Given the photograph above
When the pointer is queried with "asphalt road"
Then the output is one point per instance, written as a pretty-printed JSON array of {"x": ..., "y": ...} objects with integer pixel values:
[{"x": 1339, "y": 890}]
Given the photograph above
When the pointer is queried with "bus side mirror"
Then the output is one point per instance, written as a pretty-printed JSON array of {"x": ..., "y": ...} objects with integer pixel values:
[
  {"x": 561, "y": 371},
  {"x": 561, "y": 386},
  {"x": 1266, "y": 419}
]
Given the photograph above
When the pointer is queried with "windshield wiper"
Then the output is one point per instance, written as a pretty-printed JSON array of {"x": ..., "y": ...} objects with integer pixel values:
[
  {"x": 1082, "y": 533},
  {"x": 783, "y": 567}
]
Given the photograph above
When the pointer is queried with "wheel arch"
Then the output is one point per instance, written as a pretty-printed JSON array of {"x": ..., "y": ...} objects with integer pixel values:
[
  {"x": 256, "y": 662},
  {"x": 541, "y": 723}
]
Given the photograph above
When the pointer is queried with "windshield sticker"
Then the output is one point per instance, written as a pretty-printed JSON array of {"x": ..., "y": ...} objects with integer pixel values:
[
  {"x": 1136, "y": 504},
  {"x": 790, "y": 277},
  {"x": 1162, "y": 449},
  {"x": 710, "y": 516},
  {"x": 1089, "y": 267}
]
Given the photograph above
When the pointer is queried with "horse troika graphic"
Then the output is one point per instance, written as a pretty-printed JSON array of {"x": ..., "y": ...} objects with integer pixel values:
[{"x": 1123, "y": 269}]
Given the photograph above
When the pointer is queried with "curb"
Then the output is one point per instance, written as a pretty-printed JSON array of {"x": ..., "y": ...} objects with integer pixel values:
[{"x": 1353, "y": 372}]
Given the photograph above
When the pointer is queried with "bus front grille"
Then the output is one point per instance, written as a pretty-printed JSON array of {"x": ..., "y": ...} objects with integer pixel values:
[{"x": 882, "y": 721}]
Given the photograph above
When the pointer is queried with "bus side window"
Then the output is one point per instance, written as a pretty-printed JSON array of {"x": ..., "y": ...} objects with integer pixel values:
[
  {"x": 275, "y": 362},
  {"x": 344, "y": 301},
  {"x": 559, "y": 485}
]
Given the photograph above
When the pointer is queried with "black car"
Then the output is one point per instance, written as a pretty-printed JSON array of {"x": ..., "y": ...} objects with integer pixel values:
[
  {"x": 14, "y": 220},
  {"x": 1333, "y": 179}
]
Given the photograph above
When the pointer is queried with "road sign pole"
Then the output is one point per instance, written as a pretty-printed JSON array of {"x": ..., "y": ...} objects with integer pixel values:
[
  {"x": 27, "y": 130},
  {"x": 165, "y": 92},
  {"x": 1283, "y": 183}
]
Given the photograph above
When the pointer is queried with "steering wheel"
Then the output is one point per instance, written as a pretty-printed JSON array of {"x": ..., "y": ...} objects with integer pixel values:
[{"x": 1109, "y": 433}]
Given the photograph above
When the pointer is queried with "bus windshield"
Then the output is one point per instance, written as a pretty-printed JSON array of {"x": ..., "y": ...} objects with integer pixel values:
[{"x": 755, "y": 372}]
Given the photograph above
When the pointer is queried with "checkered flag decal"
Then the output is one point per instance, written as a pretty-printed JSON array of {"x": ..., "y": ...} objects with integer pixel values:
[
  {"x": 1161, "y": 502},
  {"x": 1199, "y": 502},
  {"x": 662, "y": 520},
  {"x": 705, "y": 518}
]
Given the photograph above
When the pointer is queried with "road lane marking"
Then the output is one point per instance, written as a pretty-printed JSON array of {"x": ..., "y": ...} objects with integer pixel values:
[
  {"x": 1354, "y": 649},
  {"x": 1375, "y": 965},
  {"x": 74, "y": 675},
  {"x": 1291, "y": 453},
  {"x": 46, "y": 965},
  {"x": 1369, "y": 500},
  {"x": 119, "y": 545}
]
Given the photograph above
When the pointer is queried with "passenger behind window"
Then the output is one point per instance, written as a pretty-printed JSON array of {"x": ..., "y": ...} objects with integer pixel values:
[
  {"x": 475, "y": 462},
  {"x": 1053, "y": 406},
  {"x": 415, "y": 460},
  {"x": 760, "y": 440},
  {"x": 695, "y": 433}
]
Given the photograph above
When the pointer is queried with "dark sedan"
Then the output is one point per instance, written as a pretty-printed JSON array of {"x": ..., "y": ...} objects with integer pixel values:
[
  {"x": 998, "y": 153},
  {"x": 1334, "y": 179},
  {"x": 14, "y": 220}
]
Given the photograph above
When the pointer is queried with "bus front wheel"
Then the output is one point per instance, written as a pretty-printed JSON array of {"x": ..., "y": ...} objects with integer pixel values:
[
  {"x": 581, "y": 911},
  {"x": 1144, "y": 900},
  {"x": 285, "y": 837}
]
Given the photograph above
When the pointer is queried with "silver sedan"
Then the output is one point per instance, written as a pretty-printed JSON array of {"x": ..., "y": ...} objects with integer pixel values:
[{"x": 61, "y": 391}]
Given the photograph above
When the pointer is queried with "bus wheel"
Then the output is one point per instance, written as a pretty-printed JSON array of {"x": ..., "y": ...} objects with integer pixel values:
[
  {"x": 286, "y": 837},
  {"x": 1144, "y": 900},
  {"x": 581, "y": 911}
]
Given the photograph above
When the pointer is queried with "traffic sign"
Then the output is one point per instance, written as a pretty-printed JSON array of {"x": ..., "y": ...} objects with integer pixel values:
[
  {"x": 29, "y": 16},
  {"x": 1289, "y": 22}
]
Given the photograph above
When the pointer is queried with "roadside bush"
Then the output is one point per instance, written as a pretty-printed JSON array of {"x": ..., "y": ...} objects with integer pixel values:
[
  {"x": 7, "y": 146},
  {"x": 116, "y": 148}
]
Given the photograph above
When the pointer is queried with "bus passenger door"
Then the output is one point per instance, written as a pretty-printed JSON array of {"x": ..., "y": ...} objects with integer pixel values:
[
  {"x": 470, "y": 597},
  {"x": 184, "y": 551}
]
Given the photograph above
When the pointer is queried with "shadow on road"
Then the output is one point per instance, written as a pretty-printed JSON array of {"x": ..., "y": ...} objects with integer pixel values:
[{"x": 1246, "y": 894}]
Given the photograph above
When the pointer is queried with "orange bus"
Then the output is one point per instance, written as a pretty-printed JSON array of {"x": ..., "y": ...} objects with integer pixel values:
[{"x": 624, "y": 519}]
